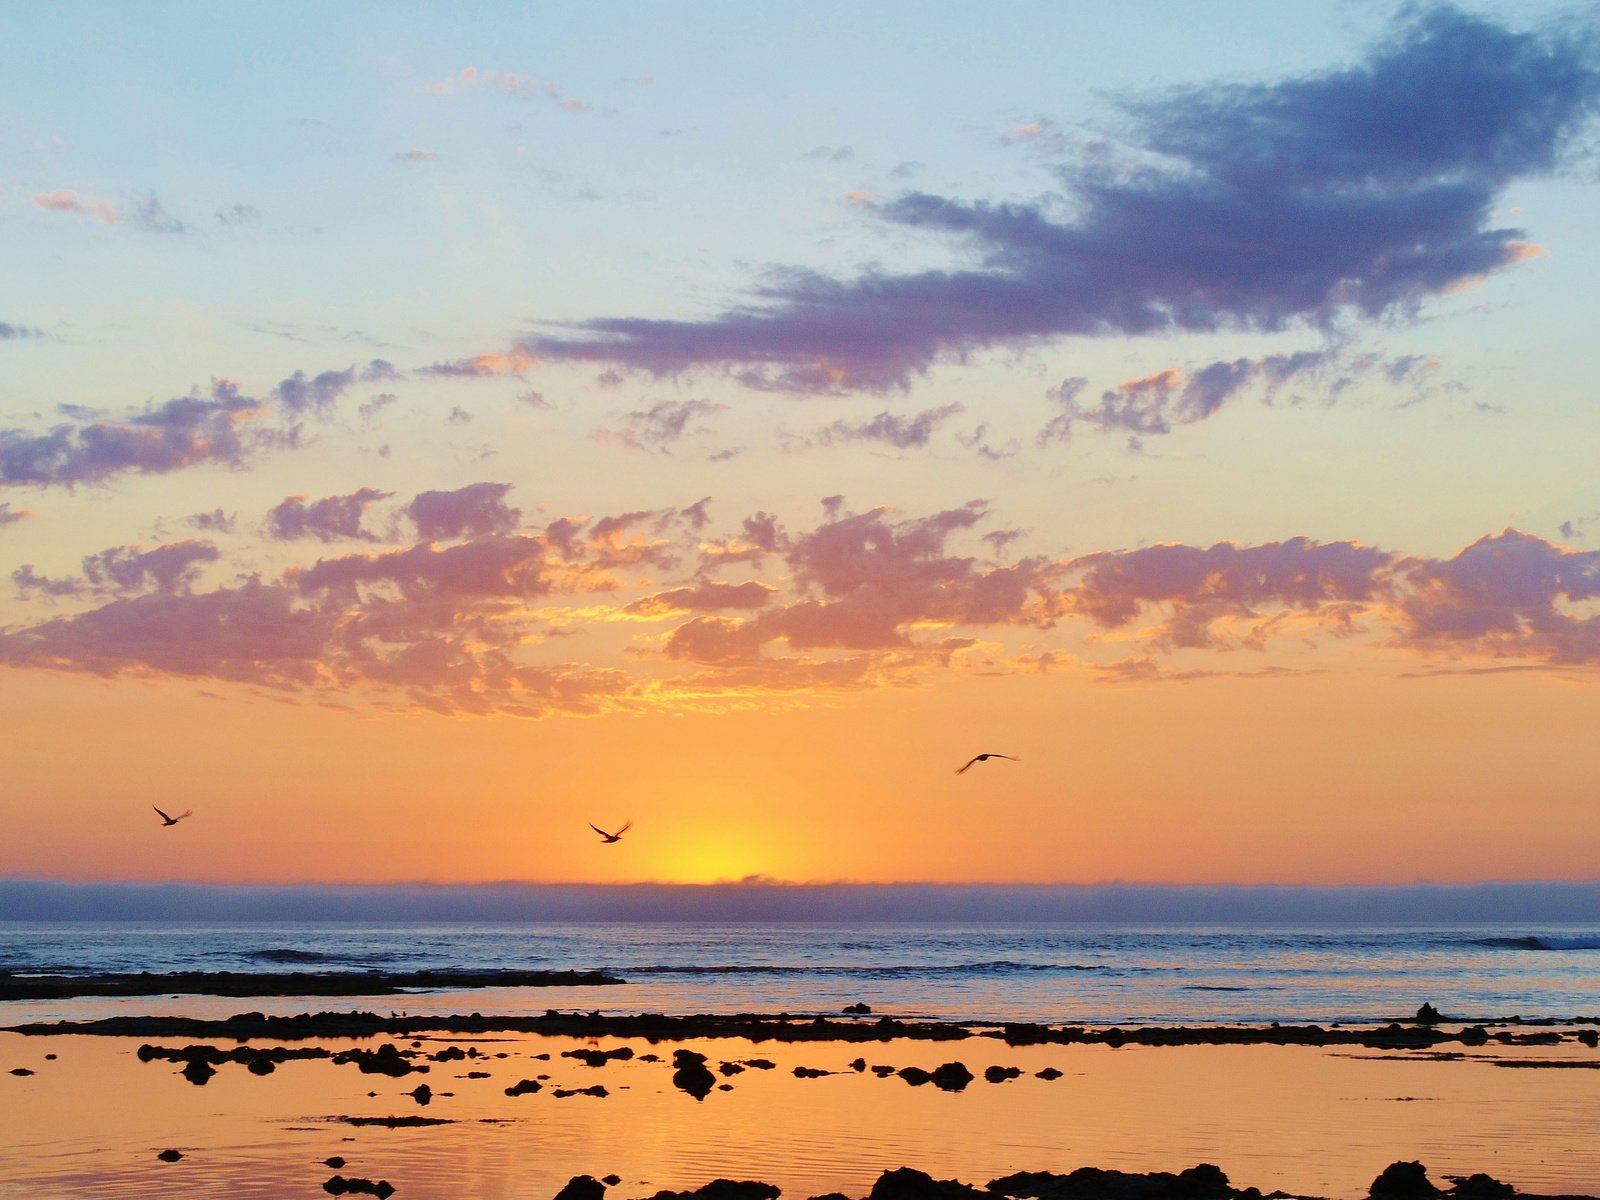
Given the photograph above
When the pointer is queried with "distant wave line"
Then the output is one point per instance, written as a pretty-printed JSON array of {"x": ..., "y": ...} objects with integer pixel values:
[
  {"x": 1589, "y": 941},
  {"x": 907, "y": 970}
]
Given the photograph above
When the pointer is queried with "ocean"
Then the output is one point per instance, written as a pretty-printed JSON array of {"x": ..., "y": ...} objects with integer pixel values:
[{"x": 1087, "y": 973}]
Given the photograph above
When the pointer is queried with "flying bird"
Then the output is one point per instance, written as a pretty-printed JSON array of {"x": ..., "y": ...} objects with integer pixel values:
[
  {"x": 166, "y": 820},
  {"x": 611, "y": 837},
  {"x": 978, "y": 758}
]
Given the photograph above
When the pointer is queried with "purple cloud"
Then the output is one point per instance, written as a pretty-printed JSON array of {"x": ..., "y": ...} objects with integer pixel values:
[
  {"x": 660, "y": 426},
  {"x": 10, "y": 332},
  {"x": 330, "y": 519},
  {"x": 903, "y": 433},
  {"x": 1360, "y": 191},
  {"x": 478, "y": 508},
  {"x": 10, "y": 516}
]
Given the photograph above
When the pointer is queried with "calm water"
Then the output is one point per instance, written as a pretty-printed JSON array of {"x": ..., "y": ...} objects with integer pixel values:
[{"x": 1091, "y": 974}]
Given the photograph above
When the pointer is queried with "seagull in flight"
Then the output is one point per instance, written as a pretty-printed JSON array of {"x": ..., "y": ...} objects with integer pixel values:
[
  {"x": 978, "y": 758},
  {"x": 167, "y": 821},
  {"x": 611, "y": 837}
]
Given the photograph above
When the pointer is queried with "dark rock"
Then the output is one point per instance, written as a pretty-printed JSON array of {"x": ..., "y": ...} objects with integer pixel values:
[
  {"x": 1403, "y": 1181},
  {"x": 339, "y": 1186},
  {"x": 858, "y": 1064},
  {"x": 49, "y": 1058},
  {"x": 598, "y": 1089},
  {"x": 882, "y": 1069},
  {"x": 197, "y": 1071},
  {"x": 810, "y": 1072},
  {"x": 951, "y": 1076},
  {"x": 915, "y": 1076},
  {"x": 170, "y": 1155},
  {"x": 523, "y": 1088},
  {"x": 725, "y": 1189},
  {"x": 1203, "y": 1182},
  {"x": 1587, "y": 1036},
  {"x": 857, "y": 1010},
  {"x": 448, "y": 1054},
  {"x": 335, "y": 1162},
  {"x": 1475, "y": 1035},
  {"x": 261, "y": 1066},
  {"x": 1001, "y": 1074},
  {"x": 611, "y": 1180},
  {"x": 21, "y": 1071},
  {"x": 477, "y": 1075},
  {"x": 598, "y": 1058},
  {"x": 422, "y": 1094},
  {"x": 730, "y": 1068},
  {"x": 906, "y": 1183},
  {"x": 1481, "y": 1187},
  {"x": 831, "y": 1196},
  {"x": 760, "y": 1064},
  {"x": 1428, "y": 1015},
  {"x": 1048, "y": 1073},
  {"x": 385, "y": 1060},
  {"x": 582, "y": 1187},
  {"x": 690, "y": 1074}
]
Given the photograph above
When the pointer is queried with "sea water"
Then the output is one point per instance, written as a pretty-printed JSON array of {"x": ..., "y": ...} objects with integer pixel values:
[{"x": 1090, "y": 973}]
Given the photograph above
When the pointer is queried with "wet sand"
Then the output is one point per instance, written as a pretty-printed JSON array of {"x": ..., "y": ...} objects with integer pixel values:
[{"x": 480, "y": 1106}]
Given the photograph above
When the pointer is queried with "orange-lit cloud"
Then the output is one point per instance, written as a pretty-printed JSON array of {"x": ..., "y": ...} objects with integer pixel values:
[{"x": 64, "y": 200}]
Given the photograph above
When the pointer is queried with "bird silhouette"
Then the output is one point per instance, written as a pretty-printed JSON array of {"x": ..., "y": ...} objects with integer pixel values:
[
  {"x": 978, "y": 758},
  {"x": 166, "y": 820},
  {"x": 611, "y": 837}
]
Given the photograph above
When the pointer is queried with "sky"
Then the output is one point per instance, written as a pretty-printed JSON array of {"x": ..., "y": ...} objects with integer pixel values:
[{"x": 427, "y": 430}]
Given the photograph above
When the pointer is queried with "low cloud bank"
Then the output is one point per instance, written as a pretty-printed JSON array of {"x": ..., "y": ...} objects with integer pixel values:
[{"x": 1528, "y": 903}]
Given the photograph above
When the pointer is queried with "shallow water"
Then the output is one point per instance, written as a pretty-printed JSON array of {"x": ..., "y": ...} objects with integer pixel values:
[{"x": 1308, "y": 1121}]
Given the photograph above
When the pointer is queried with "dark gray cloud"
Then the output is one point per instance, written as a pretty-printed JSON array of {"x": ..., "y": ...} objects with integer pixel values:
[
  {"x": 1354, "y": 192},
  {"x": 10, "y": 332},
  {"x": 333, "y": 518}
]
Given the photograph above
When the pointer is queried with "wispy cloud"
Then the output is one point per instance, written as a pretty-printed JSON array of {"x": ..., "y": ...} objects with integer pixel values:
[
  {"x": 892, "y": 429},
  {"x": 10, "y": 332},
  {"x": 10, "y": 515},
  {"x": 1351, "y": 194},
  {"x": 659, "y": 427}
]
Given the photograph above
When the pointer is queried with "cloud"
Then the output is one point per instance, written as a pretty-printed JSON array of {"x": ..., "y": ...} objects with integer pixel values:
[
  {"x": 150, "y": 216},
  {"x": 483, "y": 366},
  {"x": 1511, "y": 595},
  {"x": 1353, "y": 193},
  {"x": 903, "y": 433},
  {"x": 659, "y": 427},
  {"x": 215, "y": 521},
  {"x": 298, "y": 394},
  {"x": 10, "y": 516},
  {"x": 63, "y": 200},
  {"x": 10, "y": 332},
  {"x": 181, "y": 433},
  {"x": 126, "y": 570},
  {"x": 415, "y": 155},
  {"x": 1201, "y": 586},
  {"x": 330, "y": 519},
  {"x": 471, "y": 511},
  {"x": 238, "y": 214},
  {"x": 709, "y": 596}
]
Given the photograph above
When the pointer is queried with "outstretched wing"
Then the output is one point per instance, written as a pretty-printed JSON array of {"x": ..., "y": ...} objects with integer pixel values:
[
  {"x": 626, "y": 825},
  {"x": 962, "y": 769},
  {"x": 598, "y": 830},
  {"x": 161, "y": 814}
]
